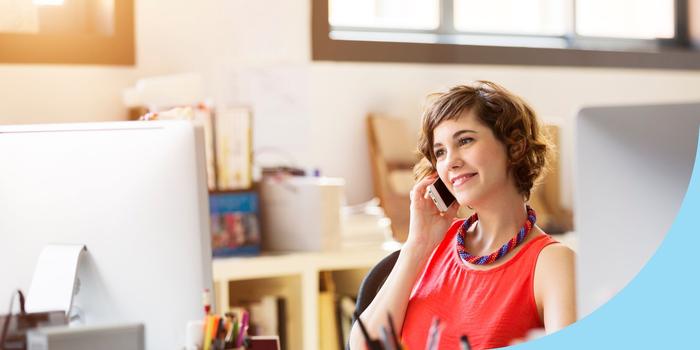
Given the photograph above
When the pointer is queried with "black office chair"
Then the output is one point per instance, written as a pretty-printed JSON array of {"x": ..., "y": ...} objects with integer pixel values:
[{"x": 374, "y": 281}]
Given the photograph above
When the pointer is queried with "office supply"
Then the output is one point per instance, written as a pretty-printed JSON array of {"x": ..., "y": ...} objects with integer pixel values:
[
  {"x": 464, "y": 343},
  {"x": 243, "y": 329},
  {"x": 103, "y": 337},
  {"x": 55, "y": 278},
  {"x": 216, "y": 325},
  {"x": 387, "y": 343},
  {"x": 434, "y": 335},
  {"x": 13, "y": 327},
  {"x": 632, "y": 172},
  {"x": 231, "y": 318},
  {"x": 209, "y": 325},
  {"x": 372, "y": 344},
  {"x": 206, "y": 301},
  {"x": 301, "y": 213},
  {"x": 234, "y": 333},
  {"x": 220, "y": 338},
  {"x": 135, "y": 194},
  {"x": 394, "y": 336}
]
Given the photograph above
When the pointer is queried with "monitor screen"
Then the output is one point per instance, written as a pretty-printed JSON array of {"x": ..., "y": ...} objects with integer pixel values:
[
  {"x": 633, "y": 167},
  {"x": 135, "y": 194}
]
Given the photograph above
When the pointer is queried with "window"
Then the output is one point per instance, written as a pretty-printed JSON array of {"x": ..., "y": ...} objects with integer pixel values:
[
  {"x": 404, "y": 14},
  {"x": 640, "y": 33},
  {"x": 67, "y": 31}
]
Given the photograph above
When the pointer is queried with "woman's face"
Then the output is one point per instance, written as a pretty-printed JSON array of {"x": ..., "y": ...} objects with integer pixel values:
[{"x": 470, "y": 160}]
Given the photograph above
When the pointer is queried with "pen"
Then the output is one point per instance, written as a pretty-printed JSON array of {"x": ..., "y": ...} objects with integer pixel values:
[
  {"x": 387, "y": 343},
  {"x": 464, "y": 341},
  {"x": 434, "y": 335},
  {"x": 206, "y": 301},
  {"x": 244, "y": 328},
  {"x": 394, "y": 337},
  {"x": 371, "y": 343},
  {"x": 230, "y": 320},
  {"x": 234, "y": 332}
]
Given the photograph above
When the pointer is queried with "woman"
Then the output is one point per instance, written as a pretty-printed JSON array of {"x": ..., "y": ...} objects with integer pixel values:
[{"x": 494, "y": 276}]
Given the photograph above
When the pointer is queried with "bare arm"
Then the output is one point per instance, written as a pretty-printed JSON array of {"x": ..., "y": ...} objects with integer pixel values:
[
  {"x": 426, "y": 230},
  {"x": 555, "y": 287}
]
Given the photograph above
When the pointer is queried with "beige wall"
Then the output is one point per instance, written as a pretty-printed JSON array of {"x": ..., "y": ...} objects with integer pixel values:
[{"x": 258, "y": 53}]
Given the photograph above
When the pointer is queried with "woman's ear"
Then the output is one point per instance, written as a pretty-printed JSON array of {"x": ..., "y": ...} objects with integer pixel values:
[{"x": 517, "y": 149}]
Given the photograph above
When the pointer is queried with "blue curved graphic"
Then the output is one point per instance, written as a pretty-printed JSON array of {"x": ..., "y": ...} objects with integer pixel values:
[{"x": 660, "y": 308}]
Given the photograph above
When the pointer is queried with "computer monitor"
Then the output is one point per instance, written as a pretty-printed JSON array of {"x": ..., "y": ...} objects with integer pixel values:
[
  {"x": 135, "y": 193},
  {"x": 632, "y": 169}
]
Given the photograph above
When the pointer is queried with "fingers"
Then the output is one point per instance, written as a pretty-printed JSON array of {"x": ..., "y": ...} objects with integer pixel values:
[
  {"x": 452, "y": 210},
  {"x": 419, "y": 189}
]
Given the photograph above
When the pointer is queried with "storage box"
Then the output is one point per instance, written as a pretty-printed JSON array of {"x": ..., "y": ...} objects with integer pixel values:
[
  {"x": 301, "y": 213},
  {"x": 235, "y": 227}
]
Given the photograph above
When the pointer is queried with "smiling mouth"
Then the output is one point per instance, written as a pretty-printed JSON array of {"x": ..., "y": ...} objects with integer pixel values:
[{"x": 459, "y": 180}]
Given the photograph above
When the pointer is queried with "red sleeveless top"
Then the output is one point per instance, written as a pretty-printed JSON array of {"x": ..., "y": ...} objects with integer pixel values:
[{"x": 492, "y": 307}]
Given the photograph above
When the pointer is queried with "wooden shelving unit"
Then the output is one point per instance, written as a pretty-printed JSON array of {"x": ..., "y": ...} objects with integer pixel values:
[{"x": 294, "y": 276}]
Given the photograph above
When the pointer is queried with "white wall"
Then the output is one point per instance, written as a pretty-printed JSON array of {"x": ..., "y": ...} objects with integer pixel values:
[
  {"x": 344, "y": 93},
  {"x": 258, "y": 53}
]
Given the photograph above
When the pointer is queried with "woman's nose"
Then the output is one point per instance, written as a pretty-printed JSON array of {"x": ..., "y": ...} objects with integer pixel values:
[{"x": 455, "y": 162}]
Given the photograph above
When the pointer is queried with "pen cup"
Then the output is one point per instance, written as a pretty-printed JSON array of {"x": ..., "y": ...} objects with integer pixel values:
[{"x": 194, "y": 333}]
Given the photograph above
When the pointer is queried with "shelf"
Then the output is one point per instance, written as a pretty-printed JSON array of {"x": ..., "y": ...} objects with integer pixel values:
[
  {"x": 296, "y": 277},
  {"x": 271, "y": 265}
]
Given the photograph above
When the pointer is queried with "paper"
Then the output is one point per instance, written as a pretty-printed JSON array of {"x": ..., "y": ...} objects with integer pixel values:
[{"x": 54, "y": 278}]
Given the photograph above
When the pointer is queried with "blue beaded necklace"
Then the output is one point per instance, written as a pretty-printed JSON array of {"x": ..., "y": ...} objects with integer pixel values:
[{"x": 507, "y": 247}]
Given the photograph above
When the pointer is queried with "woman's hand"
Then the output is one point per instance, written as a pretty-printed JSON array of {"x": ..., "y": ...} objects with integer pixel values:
[{"x": 428, "y": 225}]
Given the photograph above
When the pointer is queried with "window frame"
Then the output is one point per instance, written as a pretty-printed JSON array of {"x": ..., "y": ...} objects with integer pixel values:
[
  {"x": 676, "y": 53},
  {"x": 116, "y": 49}
]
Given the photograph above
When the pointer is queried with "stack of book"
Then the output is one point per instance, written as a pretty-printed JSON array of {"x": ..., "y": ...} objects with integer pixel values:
[
  {"x": 335, "y": 312},
  {"x": 365, "y": 225}
]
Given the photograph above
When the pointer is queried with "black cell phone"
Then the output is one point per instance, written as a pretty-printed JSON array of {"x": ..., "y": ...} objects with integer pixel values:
[{"x": 441, "y": 195}]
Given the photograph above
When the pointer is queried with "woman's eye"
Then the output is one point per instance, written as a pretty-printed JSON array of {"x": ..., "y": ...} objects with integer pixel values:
[
  {"x": 439, "y": 153},
  {"x": 466, "y": 140}
]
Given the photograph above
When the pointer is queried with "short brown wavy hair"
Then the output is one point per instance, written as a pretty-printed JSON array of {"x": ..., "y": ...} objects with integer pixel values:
[{"x": 511, "y": 119}]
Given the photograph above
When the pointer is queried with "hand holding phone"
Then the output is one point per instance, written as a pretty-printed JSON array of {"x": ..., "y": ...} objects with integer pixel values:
[
  {"x": 441, "y": 195},
  {"x": 426, "y": 229}
]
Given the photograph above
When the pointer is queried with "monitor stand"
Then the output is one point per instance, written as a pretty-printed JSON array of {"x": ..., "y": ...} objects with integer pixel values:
[{"x": 55, "y": 282}]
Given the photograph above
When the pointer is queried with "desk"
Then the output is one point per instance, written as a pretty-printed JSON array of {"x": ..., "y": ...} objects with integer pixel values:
[{"x": 295, "y": 276}]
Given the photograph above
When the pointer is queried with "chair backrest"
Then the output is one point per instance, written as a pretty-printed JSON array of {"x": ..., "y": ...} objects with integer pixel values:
[{"x": 374, "y": 281}]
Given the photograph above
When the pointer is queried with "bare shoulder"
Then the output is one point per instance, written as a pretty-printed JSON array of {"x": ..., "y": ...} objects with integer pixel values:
[
  {"x": 554, "y": 286},
  {"x": 556, "y": 254},
  {"x": 554, "y": 270},
  {"x": 556, "y": 262}
]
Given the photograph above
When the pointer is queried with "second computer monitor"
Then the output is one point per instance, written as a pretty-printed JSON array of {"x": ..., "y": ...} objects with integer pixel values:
[{"x": 633, "y": 166}]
